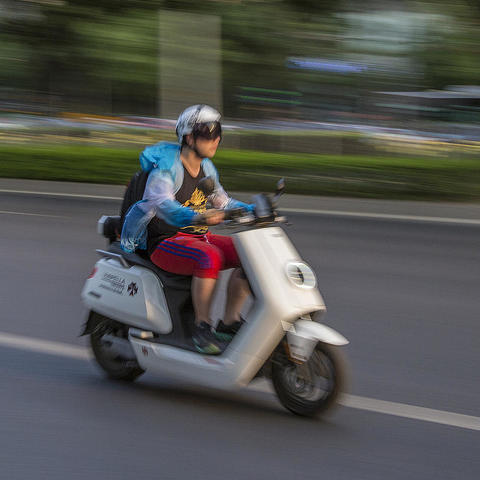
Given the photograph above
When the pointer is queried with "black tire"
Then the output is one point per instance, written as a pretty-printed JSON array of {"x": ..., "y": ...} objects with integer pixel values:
[
  {"x": 116, "y": 367},
  {"x": 303, "y": 396}
]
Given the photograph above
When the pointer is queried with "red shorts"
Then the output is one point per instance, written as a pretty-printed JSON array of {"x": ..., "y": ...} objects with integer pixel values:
[{"x": 198, "y": 255}]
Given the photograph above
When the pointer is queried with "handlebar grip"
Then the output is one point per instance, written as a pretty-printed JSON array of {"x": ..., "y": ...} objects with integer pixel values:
[
  {"x": 229, "y": 214},
  {"x": 232, "y": 213}
]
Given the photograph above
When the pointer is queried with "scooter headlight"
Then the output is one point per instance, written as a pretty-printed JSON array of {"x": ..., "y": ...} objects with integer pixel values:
[{"x": 301, "y": 275}]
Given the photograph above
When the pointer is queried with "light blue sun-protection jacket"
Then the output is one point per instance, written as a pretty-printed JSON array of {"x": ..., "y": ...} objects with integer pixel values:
[{"x": 163, "y": 162}]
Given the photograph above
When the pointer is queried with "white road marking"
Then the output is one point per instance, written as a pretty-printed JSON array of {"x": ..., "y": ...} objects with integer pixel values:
[
  {"x": 411, "y": 411},
  {"x": 396, "y": 409},
  {"x": 312, "y": 211},
  {"x": 384, "y": 216},
  {"x": 44, "y": 346},
  {"x": 55, "y": 194},
  {"x": 6, "y": 212},
  {"x": 351, "y": 401}
]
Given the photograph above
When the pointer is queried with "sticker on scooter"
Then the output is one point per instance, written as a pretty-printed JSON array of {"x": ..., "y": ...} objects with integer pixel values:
[
  {"x": 132, "y": 289},
  {"x": 113, "y": 283}
]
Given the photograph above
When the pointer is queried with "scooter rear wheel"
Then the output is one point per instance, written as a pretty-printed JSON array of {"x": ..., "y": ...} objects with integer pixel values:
[
  {"x": 313, "y": 387},
  {"x": 116, "y": 367}
]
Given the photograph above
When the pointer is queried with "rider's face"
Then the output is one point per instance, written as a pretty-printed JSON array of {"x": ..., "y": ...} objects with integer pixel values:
[{"x": 207, "y": 148}]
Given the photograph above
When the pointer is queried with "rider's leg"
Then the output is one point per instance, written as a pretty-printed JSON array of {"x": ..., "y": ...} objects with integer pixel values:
[
  {"x": 192, "y": 255},
  {"x": 203, "y": 290},
  {"x": 238, "y": 289},
  {"x": 237, "y": 292}
]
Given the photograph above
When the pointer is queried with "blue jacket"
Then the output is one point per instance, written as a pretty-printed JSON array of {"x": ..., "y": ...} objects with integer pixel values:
[{"x": 163, "y": 162}]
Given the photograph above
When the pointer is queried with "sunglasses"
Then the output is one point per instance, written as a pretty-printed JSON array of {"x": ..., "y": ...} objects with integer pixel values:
[{"x": 208, "y": 131}]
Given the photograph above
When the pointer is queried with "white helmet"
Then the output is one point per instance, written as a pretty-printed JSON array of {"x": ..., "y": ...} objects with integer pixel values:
[{"x": 192, "y": 116}]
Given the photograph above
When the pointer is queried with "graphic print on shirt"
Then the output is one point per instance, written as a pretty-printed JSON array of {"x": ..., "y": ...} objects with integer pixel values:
[
  {"x": 189, "y": 196},
  {"x": 198, "y": 203}
]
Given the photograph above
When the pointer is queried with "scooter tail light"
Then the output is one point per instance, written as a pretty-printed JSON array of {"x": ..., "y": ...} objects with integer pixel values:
[{"x": 93, "y": 272}]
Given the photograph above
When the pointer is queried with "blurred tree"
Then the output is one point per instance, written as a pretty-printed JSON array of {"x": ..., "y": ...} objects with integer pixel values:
[
  {"x": 449, "y": 54},
  {"x": 120, "y": 56},
  {"x": 314, "y": 6},
  {"x": 102, "y": 55},
  {"x": 14, "y": 57}
]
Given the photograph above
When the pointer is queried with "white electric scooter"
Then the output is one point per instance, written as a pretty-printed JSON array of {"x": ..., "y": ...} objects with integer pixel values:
[{"x": 140, "y": 318}]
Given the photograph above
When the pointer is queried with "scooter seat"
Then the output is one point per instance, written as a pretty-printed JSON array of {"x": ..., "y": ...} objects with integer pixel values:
[{"x": 169, "y": 280}]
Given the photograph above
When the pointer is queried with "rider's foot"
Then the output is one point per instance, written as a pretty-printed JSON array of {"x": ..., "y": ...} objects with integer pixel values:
[
  {"x": 205, "y": 341},
  {"x": 226, "y": 332}
]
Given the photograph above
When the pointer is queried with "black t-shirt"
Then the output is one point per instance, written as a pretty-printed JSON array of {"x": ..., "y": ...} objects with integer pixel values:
[{"x": 189, "y": 196}]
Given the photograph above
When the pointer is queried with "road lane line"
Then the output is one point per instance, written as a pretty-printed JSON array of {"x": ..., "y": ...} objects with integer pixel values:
[
  {"x": 6, "y": 212},
  {"x": 55, "y": 194},
  {"x": 44, "y": 346},
  {"x": 411, "y": 411},
  {"x": 310, "y": 211},
  {"x": 396, "y": 409},
  {"x": 384, "y": 216},
  {"x": 351, "y": 401}
]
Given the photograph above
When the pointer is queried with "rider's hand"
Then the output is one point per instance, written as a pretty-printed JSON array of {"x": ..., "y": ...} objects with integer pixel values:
[{"x": 213, "y": 216}]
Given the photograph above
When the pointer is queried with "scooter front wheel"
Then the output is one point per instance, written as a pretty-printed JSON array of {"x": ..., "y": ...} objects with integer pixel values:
[
  {"x": 115, "y": 365},
  {"x": 312, "y": 387}
]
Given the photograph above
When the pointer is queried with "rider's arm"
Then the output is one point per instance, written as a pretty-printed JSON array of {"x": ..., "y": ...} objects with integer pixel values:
[
  {"x": 158, "y": 199},
  {"x": 159, "y": 196},
  {"x": 134, "y": 231},
  {"x": 221, "y": 200}
]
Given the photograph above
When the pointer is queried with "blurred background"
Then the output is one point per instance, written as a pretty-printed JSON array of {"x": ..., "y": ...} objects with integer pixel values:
[
  {"x": 380, "y": 99},
  {"x": 342, "y": 98}
]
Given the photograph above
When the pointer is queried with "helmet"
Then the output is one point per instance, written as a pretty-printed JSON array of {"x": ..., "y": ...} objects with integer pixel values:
[{"x": 195, "y": 115}]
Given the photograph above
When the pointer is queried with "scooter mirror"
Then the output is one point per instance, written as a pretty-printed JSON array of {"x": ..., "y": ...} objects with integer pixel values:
[
  {"x": 206, "y": 186},
  {"x": 280, "y": 187},
  {"x": 279, "y": 191}
]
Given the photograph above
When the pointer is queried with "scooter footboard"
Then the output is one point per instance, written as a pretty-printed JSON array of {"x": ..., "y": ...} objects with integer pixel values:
[{"x": 305, "y": 334}]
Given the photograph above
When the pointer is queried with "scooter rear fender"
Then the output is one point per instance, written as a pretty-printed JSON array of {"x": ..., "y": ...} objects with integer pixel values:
[
  {"x": 93, "y": 319},
  {"x": 305, "y": 334}
]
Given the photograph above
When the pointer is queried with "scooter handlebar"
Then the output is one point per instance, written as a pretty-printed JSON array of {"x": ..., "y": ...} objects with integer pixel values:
[
  {"x": 231, "y": 214},
  {"x": 265, "y": 213}
]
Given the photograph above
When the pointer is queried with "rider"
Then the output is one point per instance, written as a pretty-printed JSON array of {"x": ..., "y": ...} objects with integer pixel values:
[{"x": 168, "y": 212}]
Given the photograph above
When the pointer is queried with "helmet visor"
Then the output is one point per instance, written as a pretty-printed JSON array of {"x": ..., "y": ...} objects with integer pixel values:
[{"x": 208, "y": 131}]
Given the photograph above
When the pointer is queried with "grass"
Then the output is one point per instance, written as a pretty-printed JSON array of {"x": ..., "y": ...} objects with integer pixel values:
[{"x": 346, "y": 175}]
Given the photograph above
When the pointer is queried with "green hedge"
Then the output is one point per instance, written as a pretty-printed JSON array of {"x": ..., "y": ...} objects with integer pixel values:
[{"x": 359, "y": 176}]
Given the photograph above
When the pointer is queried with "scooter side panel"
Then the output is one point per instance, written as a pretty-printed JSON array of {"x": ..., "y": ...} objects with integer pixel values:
[
  {"x": 265, "y": 255},
  {"x": 230, "y": 370},
  {"x": 131, "y": 295}
]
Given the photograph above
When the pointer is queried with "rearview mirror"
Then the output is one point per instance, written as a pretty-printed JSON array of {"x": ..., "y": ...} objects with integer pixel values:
[{"x": 280, "y": 187}]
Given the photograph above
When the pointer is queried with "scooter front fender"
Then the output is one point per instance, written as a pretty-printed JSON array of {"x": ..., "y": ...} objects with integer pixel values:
[{"x": 305, "y": 334}]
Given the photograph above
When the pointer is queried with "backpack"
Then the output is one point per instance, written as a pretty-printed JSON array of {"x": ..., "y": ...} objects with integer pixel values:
[{"x": 133, "y": 194}]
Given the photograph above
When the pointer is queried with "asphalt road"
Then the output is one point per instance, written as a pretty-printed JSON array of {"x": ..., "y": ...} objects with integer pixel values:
[{"x": 404, "y": 293}]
